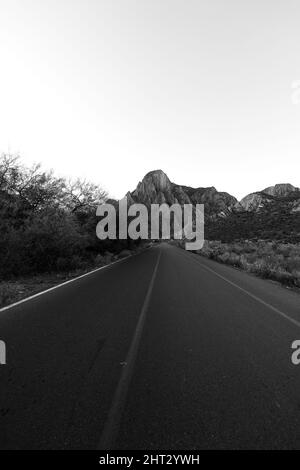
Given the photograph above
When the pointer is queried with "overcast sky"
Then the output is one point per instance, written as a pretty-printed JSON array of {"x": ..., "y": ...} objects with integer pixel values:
[{"x": 111, "y": 89}]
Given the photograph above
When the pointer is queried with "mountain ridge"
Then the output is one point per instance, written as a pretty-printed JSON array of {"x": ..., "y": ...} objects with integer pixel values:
[
  {"x": 254, "y": 201},
  {"x": 270, "y": 214},
  {"x": 156, "y": 188}
]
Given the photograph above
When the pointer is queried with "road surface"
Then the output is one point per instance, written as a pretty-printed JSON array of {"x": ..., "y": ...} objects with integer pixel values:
[{"x": 163, "y": 350}]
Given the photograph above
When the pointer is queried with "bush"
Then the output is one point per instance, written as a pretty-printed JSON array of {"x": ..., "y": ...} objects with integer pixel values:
[
  {"x": 270, "y": 260},
  {"x": 8, "y": 293}
]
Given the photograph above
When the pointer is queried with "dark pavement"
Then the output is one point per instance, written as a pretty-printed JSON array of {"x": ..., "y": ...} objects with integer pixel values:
[{"x": 163, "y": 350}]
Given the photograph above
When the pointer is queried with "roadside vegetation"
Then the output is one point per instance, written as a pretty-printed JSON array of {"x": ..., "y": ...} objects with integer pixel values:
[
  {"x": 20, "y": 287},
  {"x": 48, "y": 229},
  {"x": 267, "y": 259}
]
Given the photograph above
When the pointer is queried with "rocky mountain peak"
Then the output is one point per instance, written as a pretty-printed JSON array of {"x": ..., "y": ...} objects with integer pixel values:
[
  {"x": 158, "y": 179},
  {"x": 156, "y": 188},
  {"x": 255, "y": 201},
  {"x": 282, "y": 189}
]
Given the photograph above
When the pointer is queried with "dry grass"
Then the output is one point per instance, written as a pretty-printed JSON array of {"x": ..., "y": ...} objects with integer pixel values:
[
  {"x": 271, "y": 260},
  {"x": 18, "y": 289}
]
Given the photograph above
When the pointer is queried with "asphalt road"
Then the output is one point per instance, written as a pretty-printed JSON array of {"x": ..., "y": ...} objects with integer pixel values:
[{"x": 163, "y": 350}]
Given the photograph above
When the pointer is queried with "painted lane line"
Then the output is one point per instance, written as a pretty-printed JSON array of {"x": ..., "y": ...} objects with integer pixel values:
[
  {"x": 65, "y": 283},
  {"x": 245, "y": 291},
  {"x": 112, "y": 424}
]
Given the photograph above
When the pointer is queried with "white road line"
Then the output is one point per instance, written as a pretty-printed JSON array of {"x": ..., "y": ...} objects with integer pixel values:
[
  {"x": 258, "y": 299},
  {"x": 112, "y": 424},
  {"x": 62, "y": 284}
]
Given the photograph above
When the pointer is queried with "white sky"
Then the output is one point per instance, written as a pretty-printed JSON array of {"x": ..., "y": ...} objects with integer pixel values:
[{"x": 111, "y": 89}]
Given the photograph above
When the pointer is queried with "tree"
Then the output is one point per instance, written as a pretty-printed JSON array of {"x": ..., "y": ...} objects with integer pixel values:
[
  {"x": 46, "y": 223},
  {"x": 81, "y": 195}
]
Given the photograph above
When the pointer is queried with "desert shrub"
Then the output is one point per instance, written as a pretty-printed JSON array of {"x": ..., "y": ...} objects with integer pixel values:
[
  {"x": 267, "y": 259},
  {"x": 99, "y": 260},
  {"x": 8, "y": 293}
]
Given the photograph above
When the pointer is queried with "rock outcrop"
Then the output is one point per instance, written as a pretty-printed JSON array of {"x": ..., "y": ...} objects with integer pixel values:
[
  {"x": 156, "y": 188},
  {"x": 280, "y": 192}
]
